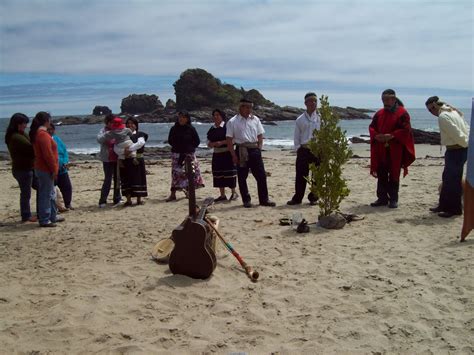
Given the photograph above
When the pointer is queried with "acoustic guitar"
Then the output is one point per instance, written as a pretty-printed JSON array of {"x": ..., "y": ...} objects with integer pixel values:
[{"x": 193, "y": 254}]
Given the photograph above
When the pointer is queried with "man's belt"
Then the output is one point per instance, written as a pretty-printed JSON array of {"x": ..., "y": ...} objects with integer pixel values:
[
  {"x": 221, "y": 149},
  {"x": 454, "y": 147}
]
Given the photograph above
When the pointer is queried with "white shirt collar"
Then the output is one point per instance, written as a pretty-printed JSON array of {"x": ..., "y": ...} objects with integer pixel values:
[
  {"x": 242, "y": 117},
  {"x": 221, "y": 125},
  {"x": 313, "y": 116}
]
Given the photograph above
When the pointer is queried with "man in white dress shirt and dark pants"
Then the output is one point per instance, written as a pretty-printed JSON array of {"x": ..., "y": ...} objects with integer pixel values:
[
  {"x": 304, "y": 127},
  {"x": 246, "y": 131}
]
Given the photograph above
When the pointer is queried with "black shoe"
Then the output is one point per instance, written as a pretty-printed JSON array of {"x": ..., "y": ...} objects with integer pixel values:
[
  {"x": 234, "y": 196},
  {"x": 303, "y": 227},
  {"x": 268, "y": 203},
  {"x": 293, "y": 202},
  {"x": 393, "y": 204},
  {"x": 312, "y": 203},
  {"x": 448, "y": 214},
  {"x": 220, "y": 198},
  {"x": 248, "y": 204},
  {"x": 379, "y": 203},
  {"x": 436, "y": 209}
]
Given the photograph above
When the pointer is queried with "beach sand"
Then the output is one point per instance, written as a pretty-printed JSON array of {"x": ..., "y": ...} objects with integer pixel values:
[{"x": 398, "y": 281}]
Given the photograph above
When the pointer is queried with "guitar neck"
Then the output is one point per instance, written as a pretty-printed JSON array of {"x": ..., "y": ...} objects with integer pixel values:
[
  {"x": 191, "y": 188},
  {"x": 202, "y": 211}
]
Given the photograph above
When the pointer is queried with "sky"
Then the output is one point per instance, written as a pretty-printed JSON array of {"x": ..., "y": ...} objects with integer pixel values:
[{"x": 349, "y": 50}]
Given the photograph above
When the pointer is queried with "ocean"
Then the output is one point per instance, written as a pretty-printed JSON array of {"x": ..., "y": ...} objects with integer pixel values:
[
  {"x": 82, "y": 138},
  {"x": 66, "y": 94}
]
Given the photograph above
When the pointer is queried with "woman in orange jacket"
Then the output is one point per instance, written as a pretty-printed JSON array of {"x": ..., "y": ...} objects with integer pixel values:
[{"x": 46, "y": 169}]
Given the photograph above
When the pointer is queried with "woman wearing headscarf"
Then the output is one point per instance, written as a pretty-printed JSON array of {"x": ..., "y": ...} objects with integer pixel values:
[
  {"x": 454, "y": 133},
  {"x": 184, "y": 140},
  {"x": 23, "y": 156},
  {"x": 46, "y": 169},
  {"x": 224, "y": 172}
]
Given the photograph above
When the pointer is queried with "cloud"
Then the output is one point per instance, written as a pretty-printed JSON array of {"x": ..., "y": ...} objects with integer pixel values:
[{"x": 412, "y": 44}]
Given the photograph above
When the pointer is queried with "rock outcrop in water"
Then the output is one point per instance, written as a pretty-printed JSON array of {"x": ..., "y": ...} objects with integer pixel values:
[
  {"x": 420, "y": 137},
  {"x": 101, "y": 110},
  {"x": 138, "y": 104}
]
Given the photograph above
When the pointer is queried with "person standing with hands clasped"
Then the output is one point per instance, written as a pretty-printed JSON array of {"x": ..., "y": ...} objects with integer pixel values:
[
  {"x": 246, "y": 131},
  {"x": 392, "y": 148},
  {"x": 454, "y": 133},
  {"x": 305, "y": 125}
]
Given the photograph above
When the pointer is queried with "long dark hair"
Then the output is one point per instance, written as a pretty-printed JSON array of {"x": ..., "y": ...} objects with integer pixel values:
[
  {"x": 222, "y": 113},
  {"x": 134, "y": 120},
  {"x": 16, "y": 120},
  {"x": 391, "y": 92},
  {"x": 40, "y": 119},
  {"x": 185, "y": 114},
  {"x": 108, "y": 118}
]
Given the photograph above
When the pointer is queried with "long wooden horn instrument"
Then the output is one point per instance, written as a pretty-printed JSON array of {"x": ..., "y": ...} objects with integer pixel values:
[{"x": 251, "y": 273}]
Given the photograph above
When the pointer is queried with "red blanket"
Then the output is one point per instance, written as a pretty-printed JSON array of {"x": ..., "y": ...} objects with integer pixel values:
[{"x": 399, "y": 151}]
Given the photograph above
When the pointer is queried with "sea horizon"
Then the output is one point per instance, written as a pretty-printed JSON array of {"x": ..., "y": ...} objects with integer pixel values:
[
  {"x": 78, "y": 94},
  {"x": 81, "y": 139}
]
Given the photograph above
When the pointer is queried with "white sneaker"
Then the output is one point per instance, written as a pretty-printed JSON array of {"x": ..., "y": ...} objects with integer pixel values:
[
  {"x": 59, "y": 219},
  {"x": 117, "y": 204},
  {"x": 102, "y": 205}
]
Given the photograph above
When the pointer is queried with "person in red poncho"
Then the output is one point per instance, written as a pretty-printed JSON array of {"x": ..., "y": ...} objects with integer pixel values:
[{"x": 391, "y": 148}]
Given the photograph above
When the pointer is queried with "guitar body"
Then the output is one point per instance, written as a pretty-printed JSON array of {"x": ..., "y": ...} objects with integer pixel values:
[{"x": 192, "y": 255}]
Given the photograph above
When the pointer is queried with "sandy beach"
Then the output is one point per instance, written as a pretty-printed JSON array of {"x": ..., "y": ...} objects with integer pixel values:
[{"x": 397, "y": 281}]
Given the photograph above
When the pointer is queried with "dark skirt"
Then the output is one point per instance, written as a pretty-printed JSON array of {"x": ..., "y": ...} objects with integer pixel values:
[
  {"x": 133, "y": 177},
  {"x": 224, "y": 173}
]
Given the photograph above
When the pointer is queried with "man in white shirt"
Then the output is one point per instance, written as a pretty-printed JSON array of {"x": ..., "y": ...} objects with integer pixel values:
[
  {"x": 246, "y": 131},
  {"x": 304, "y": 128},
  {"x": 454, "y": 133}
]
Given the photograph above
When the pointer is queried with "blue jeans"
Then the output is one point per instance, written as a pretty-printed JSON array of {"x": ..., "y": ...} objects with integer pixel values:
[
  {"x": 110, "y": 172},
  {"x": 25, "y": 179},
  {"x": 47, "y": 209},
  {"x": 451, "y": 192}
]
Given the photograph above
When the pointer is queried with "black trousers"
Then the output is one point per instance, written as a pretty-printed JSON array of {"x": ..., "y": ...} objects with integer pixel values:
[
  {"x": 451, "y": 192},
  {"x": 255, "y": 165},
  {"x": 304, "y": 157},
  {"x": 65, "y": 186},
  {"x": 387, "y": 185}
]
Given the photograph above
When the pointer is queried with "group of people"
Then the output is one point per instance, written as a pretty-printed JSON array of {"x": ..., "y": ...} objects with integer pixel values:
[
  {"x": 39, "y": 161},
  {"x": 121, "y": 151},
  {"x": 237, "y": 145},
  {"x": 393, "y": 149},
  {"x": 229, "y": 164}
]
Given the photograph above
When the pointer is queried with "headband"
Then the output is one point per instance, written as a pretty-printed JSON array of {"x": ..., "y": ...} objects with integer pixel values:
[{"x": 311, "y": 97}]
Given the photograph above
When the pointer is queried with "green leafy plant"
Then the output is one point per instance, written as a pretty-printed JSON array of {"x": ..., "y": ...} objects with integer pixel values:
[{"x": 330, "y": 144}]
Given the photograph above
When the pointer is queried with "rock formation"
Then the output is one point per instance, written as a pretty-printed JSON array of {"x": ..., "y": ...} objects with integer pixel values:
[
  {"x": 101, "y": 110},
  {"x": 137, "y": 104},
  {"x": 420, "y": 137}
]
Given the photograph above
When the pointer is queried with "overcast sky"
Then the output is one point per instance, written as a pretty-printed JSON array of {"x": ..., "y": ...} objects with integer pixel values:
[{"x": 347, "y": 48}]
